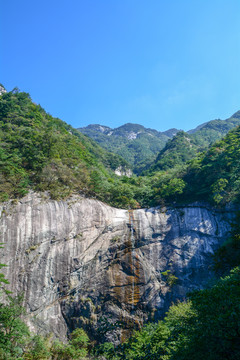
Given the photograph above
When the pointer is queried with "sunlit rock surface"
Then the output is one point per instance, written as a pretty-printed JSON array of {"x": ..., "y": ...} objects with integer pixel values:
[{"x": 82, "y": 263}]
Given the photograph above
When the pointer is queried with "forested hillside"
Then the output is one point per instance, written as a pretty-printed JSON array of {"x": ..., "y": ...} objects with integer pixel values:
[
  {"x": 214, "y": 175},
  {"x": 148, "y": 150},
  {"x": 206, "y": 325},
  {"x": 186, "y": 145},
  {"x": 42, "y": 153},
  {"x": 135, "y": 143}
]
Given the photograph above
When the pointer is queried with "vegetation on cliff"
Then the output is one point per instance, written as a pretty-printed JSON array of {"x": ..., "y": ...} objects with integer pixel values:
[
  {"x": 205, "y": 326},
  {"x": 17, "y": 342},
  {"x": 43, "y": 153}
]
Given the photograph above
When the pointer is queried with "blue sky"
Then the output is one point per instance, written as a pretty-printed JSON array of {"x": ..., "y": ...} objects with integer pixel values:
[{"x": 158, "y": 63}]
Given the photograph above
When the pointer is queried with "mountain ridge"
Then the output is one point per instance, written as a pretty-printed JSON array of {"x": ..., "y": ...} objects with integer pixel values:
[
  {"x": 83, "y": 263},
  {"x": 184, "y": 146},
  {"x": 148, "y": 149},
  {"x": 135, "y": 143}
]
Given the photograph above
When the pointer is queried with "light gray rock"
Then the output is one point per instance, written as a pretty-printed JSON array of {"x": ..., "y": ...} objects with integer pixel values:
[
  {"x": 120, "y": 171},
  {"x": 82, "y": 263},
  {"x": 2, "y": 90}
]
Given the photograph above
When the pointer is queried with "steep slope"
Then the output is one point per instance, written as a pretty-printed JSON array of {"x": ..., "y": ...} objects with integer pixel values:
[
  {"x": 176, "y": 152},
  {"x": 214, "y": 130},
  {"x": 211, "y": 176},
  {"x": 81, "y": 263},
  {"x": 218, "y": 125},
  {"x": 42, "y": 152},
  {"x": 135, "y": 143},
  {"x": 214, "y": 175},
  {"x": 184, "y": 146}
]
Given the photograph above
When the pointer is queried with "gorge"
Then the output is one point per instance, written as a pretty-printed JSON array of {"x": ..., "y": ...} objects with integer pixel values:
[{"x": 100, "y": 256}]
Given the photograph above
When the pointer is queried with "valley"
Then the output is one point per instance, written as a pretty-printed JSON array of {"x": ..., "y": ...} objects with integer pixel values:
[{"x": 117, "y": 265}]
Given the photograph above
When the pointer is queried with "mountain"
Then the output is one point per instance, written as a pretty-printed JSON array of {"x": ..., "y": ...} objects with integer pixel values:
[
  {"x": 152, "y": 150},
  {"x": 211, "y": 176},
  {"x": 82, "y": 264},
  {"x": 184, "y": 146},
  {"x": 214, "y": 175},
  {"x": 176, "y": 152},
  {"x": 135, "y": 143},
  {"x": 43, "y": 153},
  {"x": 214, "y": 130},
  {"x": 218, "y": 125},
  {"x": 171, "y": 132}
]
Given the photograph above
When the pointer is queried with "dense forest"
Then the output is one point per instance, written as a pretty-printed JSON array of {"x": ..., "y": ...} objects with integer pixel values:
[
  {"x": 42, "y": 153},
  {"x": 136, "y": 144},
  {"x": 148, "y": 150}
]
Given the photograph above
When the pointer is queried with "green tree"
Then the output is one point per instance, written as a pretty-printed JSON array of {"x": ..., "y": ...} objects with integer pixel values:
[
  {"x": 3, "y": 280},
  {"x": 218, "y": 190},
  {"x": 14, "y": 334},
  {"x": 215, "y": 334},
  {"x": 228, "y": 255},
  {"x": 76, "y": 348},
  {"x": 38, "y": 348}
]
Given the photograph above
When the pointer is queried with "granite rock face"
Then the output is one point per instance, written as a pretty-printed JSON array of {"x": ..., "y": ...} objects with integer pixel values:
[{"x": 82, "y": 263}]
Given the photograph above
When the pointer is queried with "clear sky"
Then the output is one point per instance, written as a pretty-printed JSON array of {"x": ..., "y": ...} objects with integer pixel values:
[{"x": 159, "y": 63}]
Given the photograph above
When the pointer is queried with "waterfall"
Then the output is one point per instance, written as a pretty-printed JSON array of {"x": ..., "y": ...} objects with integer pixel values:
[
  {"x": 133, "y": 260},
  {"x": 132, "y": 257}
]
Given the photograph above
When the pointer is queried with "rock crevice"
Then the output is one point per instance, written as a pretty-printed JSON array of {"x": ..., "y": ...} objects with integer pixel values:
[{"x": 79, "y": 261}]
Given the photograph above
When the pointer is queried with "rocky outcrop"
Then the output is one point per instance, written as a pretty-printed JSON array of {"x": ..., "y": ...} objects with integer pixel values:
[
  {"x": 2, "y": 89},
  {"x": 120, "y": 171},
  {"x": 82, "y": 263}
]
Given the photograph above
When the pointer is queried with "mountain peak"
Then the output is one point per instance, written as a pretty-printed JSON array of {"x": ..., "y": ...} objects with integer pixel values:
[
  {"x": 97, "y": 127},
  {"x": 236, "y": 115},
  {"x": 130, "y": 127},
  {"x": 171, "y": 132}
]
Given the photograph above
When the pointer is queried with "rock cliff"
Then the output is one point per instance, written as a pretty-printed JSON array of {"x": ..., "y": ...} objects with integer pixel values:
[{"x": 82, "y": 263}]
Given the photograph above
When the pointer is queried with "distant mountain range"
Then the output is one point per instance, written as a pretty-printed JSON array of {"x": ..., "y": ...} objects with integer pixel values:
[
  {"x": 145, "y": 148},
  {"x": 135, "y": 143}
]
